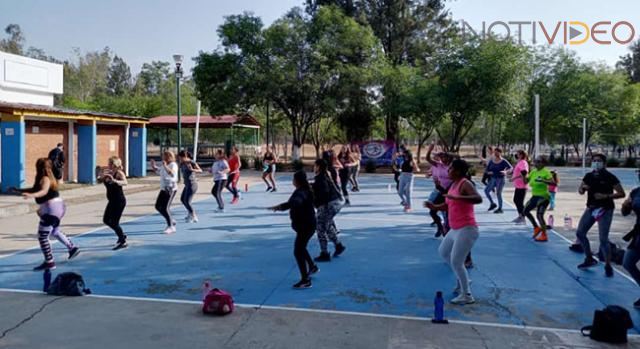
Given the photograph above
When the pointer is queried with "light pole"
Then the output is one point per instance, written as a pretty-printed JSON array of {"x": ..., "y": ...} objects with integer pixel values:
[{"x": 178, "y": 60}]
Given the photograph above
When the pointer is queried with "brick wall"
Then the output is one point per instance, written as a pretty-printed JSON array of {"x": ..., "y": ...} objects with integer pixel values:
[
  {"x": 110, "y": 143},
  {"x": 39, "y": 143}
]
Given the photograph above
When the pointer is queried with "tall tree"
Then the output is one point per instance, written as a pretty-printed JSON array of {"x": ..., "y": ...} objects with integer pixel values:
[
  {"x": 15, "y": 42},
  {"x": 119, "y": 77},
  {"x": 153, "y": 77},
  {"x": 630, "y": 62},
  {"x": 86, "y": 77}
]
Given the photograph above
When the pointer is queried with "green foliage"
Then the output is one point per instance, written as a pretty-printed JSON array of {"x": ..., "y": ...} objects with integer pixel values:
[
  {"x": 15, "y": 41},
  {"x": 630, "y": 63},
  {"x": 246, "y": 162}
]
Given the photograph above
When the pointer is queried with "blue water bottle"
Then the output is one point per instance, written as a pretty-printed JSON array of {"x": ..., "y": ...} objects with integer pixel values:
[
  {"x": 438, "y": 304},
  {"x": 47, "y": 280}
]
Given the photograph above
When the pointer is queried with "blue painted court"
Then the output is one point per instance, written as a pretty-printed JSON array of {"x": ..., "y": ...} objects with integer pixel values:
[{"x": 391, "y": 265}]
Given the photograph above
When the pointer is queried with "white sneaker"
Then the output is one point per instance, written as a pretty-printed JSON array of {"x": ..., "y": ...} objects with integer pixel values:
[
  {"x": 170, "y": 230},
  {"x": 219, "y": 210},
  {"x": 194, "y": 219},
  {"x": 463, "y": 299},
  {"x": 188, "y": 219}
]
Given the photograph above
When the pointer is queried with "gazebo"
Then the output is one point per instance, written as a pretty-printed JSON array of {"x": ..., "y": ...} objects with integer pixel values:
[{"x": 234, "y": 124}]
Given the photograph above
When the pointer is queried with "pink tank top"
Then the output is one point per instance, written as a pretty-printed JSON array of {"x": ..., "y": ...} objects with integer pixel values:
[{"x": 460, "y": 212}]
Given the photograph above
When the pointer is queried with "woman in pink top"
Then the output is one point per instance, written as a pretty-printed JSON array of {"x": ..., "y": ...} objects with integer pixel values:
[
  {"x": 440, "y": 175},
  {"x": 521, "y": 169},
  {"x": 457, "y": 244}
]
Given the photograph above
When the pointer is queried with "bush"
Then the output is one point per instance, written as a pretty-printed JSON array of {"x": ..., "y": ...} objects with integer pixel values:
[
  {"x": 613, "y": 162},
  {"x": 257, "y": 163},
  {"x": 297, "y": 165},
  {"x": 630, "y": 162},
  {"x": 245, "y": 162},
  {"x": 560, "y": 161},
  {"x": 370, "y": 166}
]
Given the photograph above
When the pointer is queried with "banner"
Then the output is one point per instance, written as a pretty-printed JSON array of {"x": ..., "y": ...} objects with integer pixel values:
[{"x": 379, "y": 151}]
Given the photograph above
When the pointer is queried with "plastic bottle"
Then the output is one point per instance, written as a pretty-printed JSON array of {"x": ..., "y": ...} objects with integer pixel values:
[
  {"x": 438, "y": 305},
  {"x": 47, "y": 280},
  {"x": 568, "y": 222},
  {"x": 551, "y": 220}
]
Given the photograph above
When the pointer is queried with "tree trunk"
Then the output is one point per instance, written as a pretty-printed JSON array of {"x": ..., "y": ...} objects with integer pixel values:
[{"x": 295, "y": 152}]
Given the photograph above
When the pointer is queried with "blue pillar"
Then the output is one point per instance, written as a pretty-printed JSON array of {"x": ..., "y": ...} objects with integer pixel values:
[
  {"x": 87, "y": 153},
  {"x": 137, "y": 151},
  {"x": 13, "y": 152}
]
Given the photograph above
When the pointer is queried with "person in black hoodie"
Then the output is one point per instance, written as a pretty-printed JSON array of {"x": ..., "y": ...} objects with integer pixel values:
[
  {"x": 303, "y": 222},
  {"x": 328, "y": 202}
]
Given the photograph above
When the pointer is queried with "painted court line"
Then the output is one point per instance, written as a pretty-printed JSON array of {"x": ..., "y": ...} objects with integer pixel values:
[{"x": 324, "y": 311}]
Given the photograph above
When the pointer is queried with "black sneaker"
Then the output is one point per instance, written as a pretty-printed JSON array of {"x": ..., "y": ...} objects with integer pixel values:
[
  {"x": 492, "y": 207},
  {"x": 636, "y": 304},
  {"x": 45, "y": 266},
  {"x": 74, "y": 252},
  {"x": 314, "y": 269},
  {"x": 588, "y": 263},
  {"x": 440, "y": 232},
  {"x": 347, "y": 202},
  {"x": 274, "y": 190},
  {"x": 608, "y": 271},
  {"x": 323, "y": 257},
  {"x": 302, "y": 284},
  {"x": 339, "y": 249},
  {"x": 120, "y": 245},
  {"x": 268, "y": 189},
  {"x": 498, "y": 211}
]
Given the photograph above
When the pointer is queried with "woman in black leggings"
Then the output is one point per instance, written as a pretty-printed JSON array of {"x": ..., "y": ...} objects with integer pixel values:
[
  {"x": 114, "y": 179},
  {"x": 303, "y": 222},
  {"x": 347, "y": 162}
]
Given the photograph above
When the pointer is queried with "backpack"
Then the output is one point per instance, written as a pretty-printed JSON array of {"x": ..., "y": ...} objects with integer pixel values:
[
  {"x": 217, "y": 302},
  {"x": 68, "y": 284},
  {"x": 610, "y": 325}
]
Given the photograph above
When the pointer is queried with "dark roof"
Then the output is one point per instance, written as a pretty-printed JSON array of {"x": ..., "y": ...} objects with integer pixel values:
[
  {"x": 8, "y": 107},
  {"x": 206, "y": 121}
]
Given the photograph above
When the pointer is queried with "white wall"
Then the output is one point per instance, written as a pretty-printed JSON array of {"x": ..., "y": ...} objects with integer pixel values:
[{"x": 28, "y": 80}]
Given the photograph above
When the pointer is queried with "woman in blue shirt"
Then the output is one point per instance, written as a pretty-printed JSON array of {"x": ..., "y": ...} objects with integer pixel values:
[{"x": 496, "y": 170}]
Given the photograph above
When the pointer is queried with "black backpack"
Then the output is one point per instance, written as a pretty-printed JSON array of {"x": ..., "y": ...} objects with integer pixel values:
[
  {"x": 68, "y": 284},
  {"x": 610, "y": 325}
]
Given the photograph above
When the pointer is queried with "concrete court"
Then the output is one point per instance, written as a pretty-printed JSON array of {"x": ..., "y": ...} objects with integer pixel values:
[{"x": 390, "y": 267}]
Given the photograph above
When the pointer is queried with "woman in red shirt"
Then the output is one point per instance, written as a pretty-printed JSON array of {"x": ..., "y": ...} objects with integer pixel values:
[{"x": 234, "y": 175}]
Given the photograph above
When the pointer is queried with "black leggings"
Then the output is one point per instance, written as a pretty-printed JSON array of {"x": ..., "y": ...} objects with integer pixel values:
[
  {"x": 231, "y": 185},
  {"x": 434, "y": 214},
  {"x": 344, "y": 173},
  {"x": 303, "y": 258},
  {"x": 396, "y": 177},
  {"x": 216, "y": 191},
  {"x": 187, "y": 195},
  {"x": 518, "y": 199},
  {"x": 540, "y": 204},
  {"x": 163, "y": 203},
  {"x": 112, "y": 215}
]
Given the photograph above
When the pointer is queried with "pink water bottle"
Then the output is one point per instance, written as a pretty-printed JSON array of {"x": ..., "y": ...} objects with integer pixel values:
[
  {"x": 206, "y": 288},
  {"x": 568, "y": 222}
]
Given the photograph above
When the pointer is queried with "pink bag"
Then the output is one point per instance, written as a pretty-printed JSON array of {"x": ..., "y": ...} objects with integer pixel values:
[{"x": 216, "y": 301}]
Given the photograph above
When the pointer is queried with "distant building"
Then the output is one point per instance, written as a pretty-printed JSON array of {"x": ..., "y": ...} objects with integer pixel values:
[{"x": 30, "y": 126}]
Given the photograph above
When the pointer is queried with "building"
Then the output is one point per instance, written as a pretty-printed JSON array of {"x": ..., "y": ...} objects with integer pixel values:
[{"x": 30, "y": 126}]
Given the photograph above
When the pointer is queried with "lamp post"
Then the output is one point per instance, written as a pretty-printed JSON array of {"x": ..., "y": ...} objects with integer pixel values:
[{"x": 178, "y": 60}]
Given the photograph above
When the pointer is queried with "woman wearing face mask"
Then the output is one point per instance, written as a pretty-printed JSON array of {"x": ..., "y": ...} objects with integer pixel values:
[
  {"x": 632, "y": 255},
  {"x": 602, "y": 187},
  {"x": 496, "y": 170}
]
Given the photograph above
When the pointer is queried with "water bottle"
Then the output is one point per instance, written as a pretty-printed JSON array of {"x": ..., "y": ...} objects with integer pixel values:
[
  {"x": 551, "y": 220},
  {"x": 47, "y": 280},
  {"x": 438, "y": 305},
  {"x": 568, "y": 222},
  {"x": 206, "y": 288}
]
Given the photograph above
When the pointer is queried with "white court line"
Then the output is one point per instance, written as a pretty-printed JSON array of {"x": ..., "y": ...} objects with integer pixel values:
[{"x": 325, "y": 311}]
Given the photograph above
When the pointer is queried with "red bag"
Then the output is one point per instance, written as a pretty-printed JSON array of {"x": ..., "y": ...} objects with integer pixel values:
[{"x": 217, "y": 302}]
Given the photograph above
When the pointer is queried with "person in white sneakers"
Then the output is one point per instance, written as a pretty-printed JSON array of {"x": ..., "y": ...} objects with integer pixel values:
[
  {"x": 189, "y": 168},
  {"x": 220, "y": 171},
  {"x": 457, "y": 244},
  {"x": 168, "y": 172}
]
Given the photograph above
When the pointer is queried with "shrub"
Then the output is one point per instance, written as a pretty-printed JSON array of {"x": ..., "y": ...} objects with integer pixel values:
[
  {"x": 370, "y": 166},
  {"x": 613, "y": 162},
  {"x": 630, "y": 162},
  {"x": 245, "y": 162},
  {"x": 297, "y": 165}
]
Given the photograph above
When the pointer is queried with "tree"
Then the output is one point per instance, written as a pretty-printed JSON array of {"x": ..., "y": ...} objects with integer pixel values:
[
  {"x": 86, "y": 77},
  {"x": 15, "y": 42},
  {"x": 630, "y": 63},
  {"x": 119, "y": 77},
  {"x": 153, "y": 77}
]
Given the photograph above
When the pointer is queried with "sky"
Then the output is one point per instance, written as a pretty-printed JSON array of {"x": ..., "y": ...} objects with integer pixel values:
[{"x": 144, "y": 30}]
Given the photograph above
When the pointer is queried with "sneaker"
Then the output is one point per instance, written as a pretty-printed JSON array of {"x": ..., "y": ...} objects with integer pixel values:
[
  {"x": 74, "y": 252},
  {"x": 463, "y": 299},
  {"x": 194, "y": 219},
  {"x": 274, "y": 190},
  {"x": 498, "y": 211},
  {"x": 492, "y": 207},
  {"x": 323, "y": 257},
  {"x": 347, "y": 202},
  {"x": 45, "y": 266},
  {"x": 187, "y": 219},
  {"x": 402, "y": 203},
  {"x": 407, "y": 209},
  {"x": 536, "y": 232},
  {"x": 219, "y": 210},
  {"x": 302, "y": 284},
  {"x": 440, "y": 232},
  {"x": 170, "y": 230},
  {"x": 268, "y": 189},
  {"x": 339, "y": 249},
  {"x": 542, "y": 237},
  {"x": 314, "y": 269},
  {"x": 588, "y": 263},
  {"x": 608, "y": 271},
  {"x": 458, "y": 288},
  {"x": 120, "y": 245},
  {"x": 636, "y": 304},
  {"x": 235, "y": 200}
]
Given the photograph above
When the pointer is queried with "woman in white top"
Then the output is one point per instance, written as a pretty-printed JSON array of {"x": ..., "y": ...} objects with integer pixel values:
[
  {"x": 168, "y": 172},
  {"x": 220, "y": 171}
]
